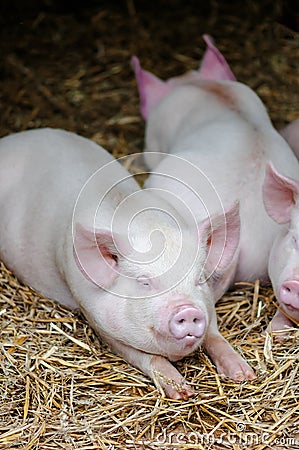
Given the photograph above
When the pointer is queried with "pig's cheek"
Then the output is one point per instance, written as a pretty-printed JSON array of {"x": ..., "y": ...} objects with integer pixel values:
[
  {"x": 105, "y": 319},
  {"x": 284, "y": 275},
  {"x": 287, "y": 269},
  {"x": 108, "y": 314},
  {"x": 278, "y": 265},
  {"x": 206, "y": 302},
  {"x": 288, "y": 293}
]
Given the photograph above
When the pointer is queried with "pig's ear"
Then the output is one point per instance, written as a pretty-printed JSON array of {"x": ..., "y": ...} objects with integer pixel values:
[
  {"x": 279, "y": 195},
  {"x": 221, "y": 234},
  {"x": 96, "y": 255},
  {"x": 214, "y": 65},
  {"x": 151, "y": 89}
]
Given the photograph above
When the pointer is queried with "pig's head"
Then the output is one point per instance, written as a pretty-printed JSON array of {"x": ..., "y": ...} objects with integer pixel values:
[
  {"x": 152, "y": 89},
  {"x": 281, "y": 199},
  {"x": 154, "y": 288}
]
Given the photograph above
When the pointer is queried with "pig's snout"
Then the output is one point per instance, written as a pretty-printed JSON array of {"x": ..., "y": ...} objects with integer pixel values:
[
  {"x": 188, "y": 323},
  {"x": 289, "y": 294}
]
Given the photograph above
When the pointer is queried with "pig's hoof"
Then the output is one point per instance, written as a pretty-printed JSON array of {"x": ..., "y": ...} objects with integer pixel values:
[
  {"x": 240, "y": 371},
  {"x": 234, "y": 367},
  {"x": 278, "y": 336},
  {"x": 280, "y": 326},
  {"x": 280, "y": 332},
  {"x": 168, "y": 380},
  {"x": 179, "y": 392},
  {"x": 244, "y": 374}
]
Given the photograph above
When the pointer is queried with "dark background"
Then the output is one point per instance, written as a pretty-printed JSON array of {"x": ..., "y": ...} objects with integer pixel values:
[{"x": 67, "y": 63}]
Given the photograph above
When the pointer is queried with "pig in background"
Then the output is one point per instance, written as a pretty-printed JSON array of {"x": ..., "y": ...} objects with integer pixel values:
[
  {"x": 76, "y": 226},
  {"x": 221, "y": 127},
  {"x": 281, "y": 197}
]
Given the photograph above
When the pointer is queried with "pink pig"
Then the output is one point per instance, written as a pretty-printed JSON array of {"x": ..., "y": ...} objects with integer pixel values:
[
  {"x": 207, "y": 134},
  {"x": 281, "y": 197},
  {"x": 76, "y": 226}
]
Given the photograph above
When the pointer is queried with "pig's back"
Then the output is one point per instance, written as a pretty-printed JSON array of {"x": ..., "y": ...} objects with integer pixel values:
[
  {"x": 229, "y": 158},
  {"x": 41, "y": 174},
  {"x": 236, "y": 169}
]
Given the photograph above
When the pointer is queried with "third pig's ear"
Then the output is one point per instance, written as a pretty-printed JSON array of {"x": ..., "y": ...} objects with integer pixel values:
[
  {"x": 214, "y": 65},
  {"x": 279, "y": 194},
  {"x": 151, "y": 88}
]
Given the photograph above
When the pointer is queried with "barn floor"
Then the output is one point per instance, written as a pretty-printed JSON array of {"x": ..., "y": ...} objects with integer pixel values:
[{"x": 67, "y": 64}]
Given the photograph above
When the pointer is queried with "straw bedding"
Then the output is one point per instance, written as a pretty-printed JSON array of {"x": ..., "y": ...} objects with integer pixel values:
[{"x": 60, "y": 386}]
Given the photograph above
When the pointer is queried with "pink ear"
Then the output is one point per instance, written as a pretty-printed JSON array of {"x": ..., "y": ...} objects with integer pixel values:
[
  {"x": 151, "y": 89},
  {"x": 279, "y": 194},
  {"x": 214, "y": 65},
  {"x": 221, "y": 233},
  {"x": 96, "y": 255}
]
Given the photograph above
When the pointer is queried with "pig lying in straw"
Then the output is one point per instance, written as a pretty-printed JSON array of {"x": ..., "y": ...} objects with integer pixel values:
[
  {"x": 76, "y": 226},
  {"x": 281, "y": 197},
  {"x": 206, "y": 133}
]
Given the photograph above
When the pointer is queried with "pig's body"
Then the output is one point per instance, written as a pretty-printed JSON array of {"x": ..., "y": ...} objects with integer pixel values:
[
  {"x": 281, "y": 198},
  {"x": 223, "y": 129},
  {"x": 77, "y": 227},
  {"x": 41, "y": 175}
]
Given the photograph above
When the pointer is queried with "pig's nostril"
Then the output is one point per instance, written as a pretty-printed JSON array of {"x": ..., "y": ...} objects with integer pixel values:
[{"x": 183, "y": 320}]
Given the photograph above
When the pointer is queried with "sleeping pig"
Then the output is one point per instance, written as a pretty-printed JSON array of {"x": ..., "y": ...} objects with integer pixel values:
[
  {"x": 281, "y": 197},
  {"x": 76, "y": 226},
  {"x": 208, "y": 133}
]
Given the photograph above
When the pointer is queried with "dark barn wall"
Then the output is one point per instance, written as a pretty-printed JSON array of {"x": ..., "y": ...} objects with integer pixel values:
[{"x": 67, "y": 63}]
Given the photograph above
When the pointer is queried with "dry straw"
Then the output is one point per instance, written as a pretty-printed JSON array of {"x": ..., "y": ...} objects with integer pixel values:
[{"x": 62, "y": 388}]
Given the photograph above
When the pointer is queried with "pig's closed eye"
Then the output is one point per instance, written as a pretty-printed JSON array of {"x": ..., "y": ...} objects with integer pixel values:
[
  {"x": 143, "y": 280},
  {"x": 294, "y": 241}
]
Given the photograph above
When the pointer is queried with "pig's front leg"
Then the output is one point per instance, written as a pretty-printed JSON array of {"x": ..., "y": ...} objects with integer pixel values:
[
  {"x": 165, "y": 376},
  {"x": 228, "y": 362},
  {"x": 280, "y": 322}
]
